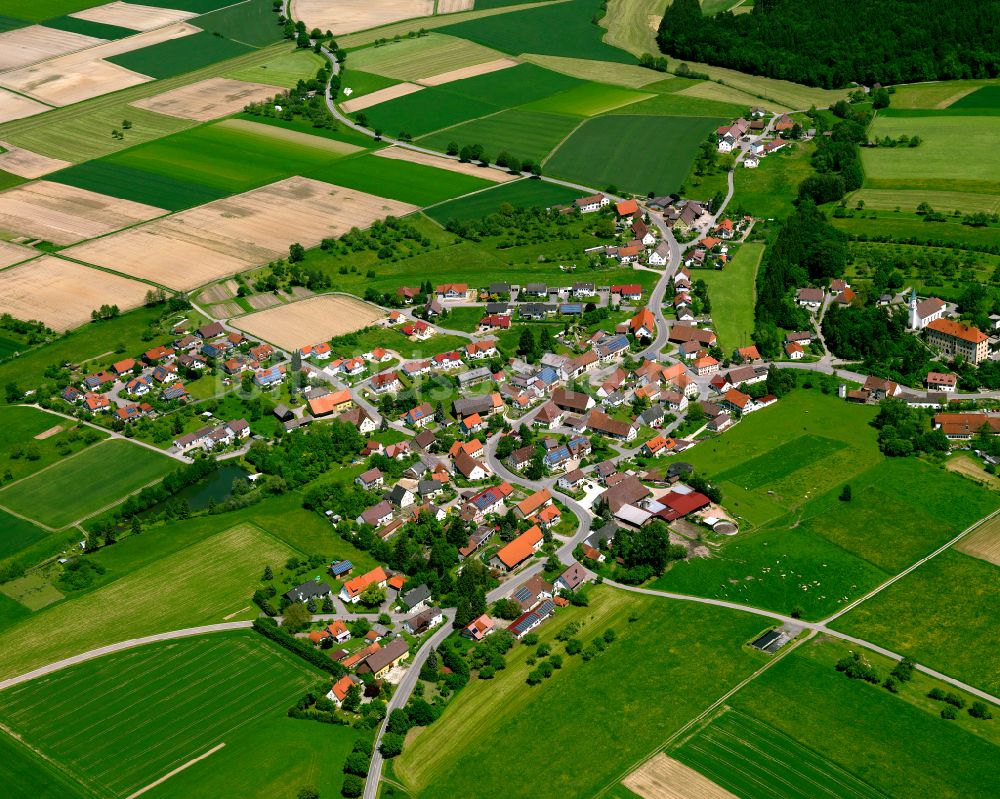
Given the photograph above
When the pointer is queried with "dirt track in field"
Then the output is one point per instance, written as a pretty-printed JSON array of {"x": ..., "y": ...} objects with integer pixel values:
[{"x": 381, "y": 96}]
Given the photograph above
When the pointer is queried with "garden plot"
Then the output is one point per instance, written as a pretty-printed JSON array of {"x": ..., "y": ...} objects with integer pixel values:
[
  {"x": 136, "y": 17},
  {"x": 207, "y": 99},
  {"x": 65, "y": 214},
  {"x": 468, "y": 72},
  {"x": 219, "y": 292},
  {"x": 24, "y": 46},
  {"x": 415, "y": 157},
  {"x": 11, "y": 254},
  {"x": 305, "y": 322},
  {"x": 62, "y": 294},
  {"x": 380, "y": 96},
  {"x": 82, "y": 75},
  {"x": 663, "y": 777},
  {"x": 347, "y": 16},
  {"x": 27, "y": 164},
  {"x": 232, "y": 235},
  {"x": 14, "y": 106}
]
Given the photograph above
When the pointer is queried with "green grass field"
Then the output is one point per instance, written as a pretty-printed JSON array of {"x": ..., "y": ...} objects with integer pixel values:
[
  {"x": 17, "y": 535},
  {"x": 171, "y": 192},
  {"x": 21, "y": 454},
  {"x": 400, "y": 180},
  {"x": 615, "y": 150},
  {"x": 493, "y": 723},
  {"x": 768, "y": 190},
  {"x": 588, "y": 99},
  {"x": 28, "y": 776},
  {"x": 224, "y": 157},
  {"x": 733, "y": 292},
  {"x": 628, "y": 25},
  {"x": 627, "y": 75},
  {"x": 361, "y": 83},
  {"x": 532, "y": 31},
  {"x": 935, "y": 94},
  {"x": 955, "y": 152},
  {"x": 38, "y": 10},
  {"x": 120, "y": 722},
  {"x": 942, "y": 614},
  {"x": 201, "y": 584},
  {"x": 411, "y": 59},
  {"x": 908, "y": 200},
  {"x": 177, "y": 56},
  {"x": 986, "y": 97},
  {"x": 751, "y": 758},
  {"x": 519, "y": 193},
  {"x": 108, "y": 471},
  {"x": 897, "y": 744},
  {"x": 252, "y": 23},
  {"x": 513, "y": 86},
  {"x": 526, "y": 134},
  {"x": 284, "y": 70},
  {"x": 912, "y": 229},
  {"x": 425, "y": 111},
  {"x": 782, "y": 471},
  {"x": 672, "y": 103}
]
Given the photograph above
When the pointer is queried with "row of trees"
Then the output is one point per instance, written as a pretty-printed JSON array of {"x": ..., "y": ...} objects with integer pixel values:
[{"x": 835, "y": 43}]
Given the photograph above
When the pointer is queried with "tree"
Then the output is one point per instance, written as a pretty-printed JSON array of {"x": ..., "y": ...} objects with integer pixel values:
[
  {"x": 392, "y": 745},
  {"x": 353, "y": 786},
  {"x": 296, "y": 617},
  {"x": 980, "y": 710},
  {"x": 429, "y": 670},
  {"x": 372, "y": 596},
  {"x": 845, "y": 495},
  {"x": 356, "y": 763},
  {"x": 307, "y": 792},
  {"x": 296, "y": 253},
  {"x": 268, "y": 574},
  {"x": 352, "y": 701}
]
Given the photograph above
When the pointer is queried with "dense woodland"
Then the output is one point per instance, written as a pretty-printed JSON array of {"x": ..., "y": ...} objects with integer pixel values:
[{"x": 834, "y": 43}]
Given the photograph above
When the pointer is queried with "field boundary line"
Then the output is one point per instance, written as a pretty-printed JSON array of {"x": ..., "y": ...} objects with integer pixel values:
[
  {"x": 707, "y": 711},
  {"x": 177, "y": 770}
]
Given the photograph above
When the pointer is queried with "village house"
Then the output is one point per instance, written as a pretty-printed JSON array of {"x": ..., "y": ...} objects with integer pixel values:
[
  {"x": 338, "y": 693},
  {"x": 356, "y": 586},
  {"x": 591, "y": 203},
  {"x": 527, "y": 508},
  {"x": 386, "y": 382},
  {"x": 385, "y": 659},
  {"x": 479, "y": 628},
  {"x": 571, "y": 579},
  {"x": 600, "y": 422},
  {"x": 940, "y": 381},
  {"x": 423, "y": 621},
  {"x": 452, "y": 291},
  {"x": 810, "y": 298},
  {"x": 954, "y": 339},
  {"x": 377, "y": 515},
  {"x": 519, "y": 550},
  {"x": 307, "y": 591},
  {"x": 963, "y": 426}
]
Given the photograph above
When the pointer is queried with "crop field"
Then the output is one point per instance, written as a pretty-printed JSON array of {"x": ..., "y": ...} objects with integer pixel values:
[
  {"x": 200, "y": 584},
  {"x": 358, "y": 15},
  {"x": 88, "y": 134},
  {"x": 132, "y": 17},
  {"x": 924, "y": 616},
  {"x": 63, "y": 294},
  {"x": 588, "y": 99},
  {"x": 24, "y": 46},
  {"x": 627, "y": 75},
  {"x": 362, "y": 84},
  {"x": 17, "y": 534},
  {"x": 751, "y": 758},
  {"x": 530, "y": 31},
  {"x": 525, "y": 193},
  {"x": 27, "y": 164},
  {"x": 516, "y": 85},
  {"x": 253, "y": 23},
  {"x": 121, "y": 722},
  {"x": 53, "y": 498},
  {"x": 935, "y": 94},
  {"x": 208, "y": 99},
  {"x": 733, "y": 294},
  {"x": 99, "y": 30},
  {"x": 14, "y": 106},
  {"x": 673, "y": 103},
  {"x": 662, "y": 777},
  {"x": 908, "y": 200},
  {"x": 506, "y": 715},
  {"x": 896, "y": 743},
  {"x": 525, "y": 134},
  {"x": 936, "y": 163},
  {"x": 469, "y": 72},
  {"x": 310, "y": 321},
  {"x": 401, "y": 180},
  {"x": 413, "y": 59},
  {"x": 283, "y": 70},
  {"x": 612, "y": 150},
  {"x": 33, "y": 777},
  {"x": 424, "y": 111},
  {"x": 491, "y": 174},
  {"x": 105, "y": 176},
  {"x": 234, "y": 234},
  {"x": 176, "y": 56},
  {"x": 709, "y": 90},
  {"x": 39, "y": 10},
  {"x": 233, "y": 155},
  {"x": 984, "y": 543}
]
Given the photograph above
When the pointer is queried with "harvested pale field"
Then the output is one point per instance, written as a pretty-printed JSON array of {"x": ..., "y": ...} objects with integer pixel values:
[
  {"x": 62, "y": 294},
  {"x": 62, "y": 83},
  {"x": 381, "y": 96},
  {"x": 234, "y": 234},
  {"x": 983, "y": 543},
  {"x": 309, "y": 321},
  {"x": 224, "y": 310},
  {"x": 11, "y": 254},
  {"x": 601, "y": 71},
  {"x": 261, "y": 301},
  {"x": 451, "y": 6},
  {"x": 347, "y": 16},
  {"x": 27, "y": 164},
  {"x": 729, "y": 94},
  {"x": 14, "y": 106},
  {"x": 663, "y": 777},
  {"x": 220, "y": 291},
  {"x": 136, "y": 17},
  {"x": 294, "y": 136},
  {"x": 468, "y": 72},
  {"x": 24, "y": 46},
  {"x": 207, "y": 99},
  {"x": 410, "y": 59},
  {"x": 440, "y": 162},
  {"x": 65, "y": 214}
]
